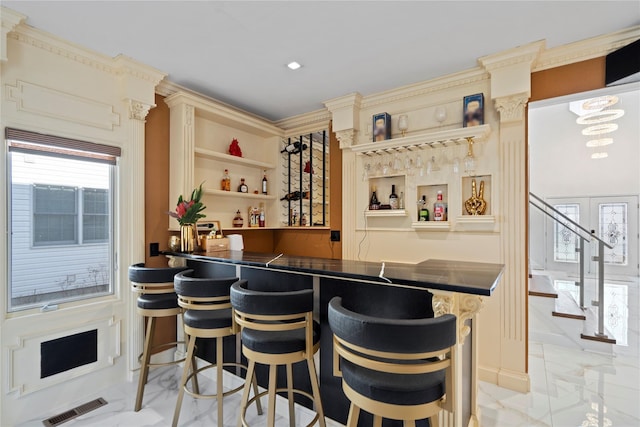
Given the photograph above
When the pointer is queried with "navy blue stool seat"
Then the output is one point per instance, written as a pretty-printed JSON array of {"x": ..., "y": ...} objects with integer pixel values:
[
  {"x": 277, "y": 329},
  {"x": 156, "y": 298},
  {"x": 393, "y": 368},
  {"x": 207, "y": 314}
]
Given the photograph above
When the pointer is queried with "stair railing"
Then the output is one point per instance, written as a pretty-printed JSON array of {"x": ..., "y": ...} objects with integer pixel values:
[{"x": 584, "y": 235}]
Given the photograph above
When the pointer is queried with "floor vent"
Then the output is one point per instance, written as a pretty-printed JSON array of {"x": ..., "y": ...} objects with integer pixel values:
[{"x": 56, "y": 420}]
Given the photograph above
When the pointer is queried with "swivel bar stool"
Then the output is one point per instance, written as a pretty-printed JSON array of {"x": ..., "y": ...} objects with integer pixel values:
[
  {"x": 277, "y": 329},
  {"x": 393, "y": 368},
  {"x": 156, "y": 298},
  {"x": 207, "y": 314}
]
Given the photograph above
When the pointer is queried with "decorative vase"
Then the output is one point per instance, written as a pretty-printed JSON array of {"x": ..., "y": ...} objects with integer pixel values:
[{"x": 188, "y": 238}]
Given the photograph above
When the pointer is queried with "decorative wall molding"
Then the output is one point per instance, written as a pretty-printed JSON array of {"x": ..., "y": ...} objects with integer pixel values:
[
  {"x": 442, "y": 304},
  {"x": 10, "y": 20},
  {"x": 511, "y": 108},
  {"x": 43, "y": 101},
  {"x": 25, "y": 353},
  {"x": 586, "y": 49}
]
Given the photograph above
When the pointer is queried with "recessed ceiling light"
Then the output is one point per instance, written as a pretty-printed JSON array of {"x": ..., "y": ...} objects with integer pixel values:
[{"x": 293, "y": 65}]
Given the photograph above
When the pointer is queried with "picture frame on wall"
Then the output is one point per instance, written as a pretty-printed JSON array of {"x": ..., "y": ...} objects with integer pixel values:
[
  {"x": 381, "y": 127},
  {"x": 473, "y": 110}
]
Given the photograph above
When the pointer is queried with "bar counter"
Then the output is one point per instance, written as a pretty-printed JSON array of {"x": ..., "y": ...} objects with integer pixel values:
[
  {"x": 455, "y": 287},
  {"x": 454, "y": 276}
]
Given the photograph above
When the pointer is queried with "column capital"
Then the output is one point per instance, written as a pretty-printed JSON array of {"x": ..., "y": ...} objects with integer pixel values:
[
  {"x": 511, "y": 108},
  {"x": 346, "y": 137},
  {"x": 138, "y": 110},
  {"x": 9, "y": 20}
]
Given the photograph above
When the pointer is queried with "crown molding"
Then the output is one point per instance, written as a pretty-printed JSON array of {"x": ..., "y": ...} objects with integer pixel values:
[
  {"x": 9, "y": 21},
  {"x": 119, "y": 66},
  {"x": 584, "y": 50},
  {"x": 449, "y": 81},
  {"x": 518, "y": 55},
  {"x": 305, "y": 123},
  {"x": 353, "y": 99}
]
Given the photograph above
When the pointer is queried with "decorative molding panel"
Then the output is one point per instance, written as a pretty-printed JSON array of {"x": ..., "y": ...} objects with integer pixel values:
[
  {"x": 43, "y": 101},
  {"x": 138, "y": 110},
  {"x": 24, "y": 357}
]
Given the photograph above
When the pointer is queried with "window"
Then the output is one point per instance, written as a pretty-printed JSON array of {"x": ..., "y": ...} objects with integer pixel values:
[
  {"x": 61, "y": 218},
  {"x": 565, "y": 241},
  {"x": 55, "y": 214}
]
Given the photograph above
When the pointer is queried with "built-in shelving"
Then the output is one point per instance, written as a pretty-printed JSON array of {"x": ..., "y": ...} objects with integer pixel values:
[{"x": 431, "y": 225}]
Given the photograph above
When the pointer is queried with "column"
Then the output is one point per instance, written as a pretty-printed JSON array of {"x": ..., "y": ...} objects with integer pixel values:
[
  {"x": 345, "y": 113},
  {"x": 506, "y": 363}
]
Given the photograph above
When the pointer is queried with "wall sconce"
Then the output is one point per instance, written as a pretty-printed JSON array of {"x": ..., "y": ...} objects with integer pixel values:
[{"x": 403, "y": 124}]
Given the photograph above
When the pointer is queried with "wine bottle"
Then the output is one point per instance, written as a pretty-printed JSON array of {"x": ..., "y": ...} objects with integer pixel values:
[
  {"x": 261, "y": 217},
  {"x": 423, "y": 214},
  {"x": 374, "y": 203},
  {"x": 264, "y": 183},
  {"x": 225, "y": 183},
  {"x": 393, "y": 198},
  {"x": 439, "y": 208},
  {"x": 243, "y": 188}
]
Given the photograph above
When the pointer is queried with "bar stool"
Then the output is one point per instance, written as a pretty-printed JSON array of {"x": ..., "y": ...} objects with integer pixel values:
[
  {"x": 277, "y": 329},
  {"x": 393, "y": 368},
  {"x": 156, "y": 298},
  {"x": 207, "y": 314}
]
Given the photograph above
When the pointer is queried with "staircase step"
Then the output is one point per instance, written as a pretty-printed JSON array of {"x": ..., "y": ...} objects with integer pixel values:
[
  {"x": 541, "y": 286},
  {"x": 567, "y": 307},
  {"x": 591, "y": 326}
]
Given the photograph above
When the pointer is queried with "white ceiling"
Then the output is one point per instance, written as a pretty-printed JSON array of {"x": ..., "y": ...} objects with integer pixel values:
[{"x": 237, "y": 51}]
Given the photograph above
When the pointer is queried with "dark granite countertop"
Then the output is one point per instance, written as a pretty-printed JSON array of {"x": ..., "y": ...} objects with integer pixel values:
[{"x": 456, "y": 276}]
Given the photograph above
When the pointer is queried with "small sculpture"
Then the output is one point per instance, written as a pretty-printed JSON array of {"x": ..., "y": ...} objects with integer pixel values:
[
  {"x": 476, "y": 205},
  {"x": 234, "y": 148}
]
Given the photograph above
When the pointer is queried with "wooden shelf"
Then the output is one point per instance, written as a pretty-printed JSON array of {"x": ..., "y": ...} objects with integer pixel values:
[
  {"x": 385, "y": 212},
  {"x": 443, "y": 138},
  {"x": 476, "y": 222},
  {"x": 210, "y": 154},
  {"x": 431, "y": 225},
  {"x": 239, "y": 195}
]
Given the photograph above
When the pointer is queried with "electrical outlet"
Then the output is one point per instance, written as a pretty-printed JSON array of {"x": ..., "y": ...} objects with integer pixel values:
[
  {"x": 335, "y": 235},
  {"x": 154, "y": 249}
]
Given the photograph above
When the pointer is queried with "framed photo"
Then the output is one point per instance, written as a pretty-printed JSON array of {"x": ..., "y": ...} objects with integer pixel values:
[
  {"x": 473, "y": 110},
  {"x": 381, "y": 127}
]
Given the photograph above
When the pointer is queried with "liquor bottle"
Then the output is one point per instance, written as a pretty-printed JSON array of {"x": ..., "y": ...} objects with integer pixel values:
[
  {"x": 225, "y": 183},
  {"x": 439, "y": 209},
  {"x": 243, "y": 188},
  {"x": 264, "y": 183},
  {"x": 401, "y": 201},
  {"x": 261, "y": 218},
  {"x": 423, "y": 214},
  {"x": 374, "y": 203},
  {"x": 393, "y": 198},
  {"x": 238, "y": 222}
]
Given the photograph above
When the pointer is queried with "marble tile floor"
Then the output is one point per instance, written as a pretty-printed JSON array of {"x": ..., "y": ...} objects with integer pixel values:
[{"x": 569, "y": 388}]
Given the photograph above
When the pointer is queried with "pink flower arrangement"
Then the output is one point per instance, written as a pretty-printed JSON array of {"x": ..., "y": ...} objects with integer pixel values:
[{"x": 188, "y": 211}]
